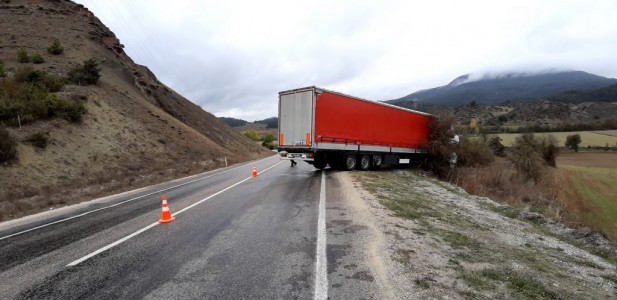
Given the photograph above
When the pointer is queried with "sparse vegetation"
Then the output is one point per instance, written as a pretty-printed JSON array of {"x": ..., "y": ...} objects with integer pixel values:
[
  {"x": 8, "y": 145},
  {"x": 268, "y": 141},
  {"x": 2, "y": 71},
  {"x": 55, "y": 48},
  {"x": 23, "y": 56},
  {"x": 86, "y": 74},
  {"x": 529, "y": 154},
  {"x": 29, "y": 97},
  {"x": 52, "y": 83},
  {"x": 251, "y": 134},
  {"x": 477, "y": 244},
  {"x": 37, "y": 58},
  {"x": 38, "y": 139},
  {"x": 497, "y": 147},
  {"x": 474, "y": 151}
]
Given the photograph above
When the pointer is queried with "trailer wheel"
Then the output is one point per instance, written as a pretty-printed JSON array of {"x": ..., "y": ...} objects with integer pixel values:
[
  {"x": 320, "y": 162},
  {"x": 365, "y": 162},
  {"x": 350, "y": 162},
  {"x": 377, "y": 160}
]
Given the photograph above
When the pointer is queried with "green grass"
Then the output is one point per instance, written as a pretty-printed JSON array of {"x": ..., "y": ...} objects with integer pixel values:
[
  {"x": 518, "y": 284},
  {"x": 393, "y": 193},
  {"x": 597, "y": 187}
]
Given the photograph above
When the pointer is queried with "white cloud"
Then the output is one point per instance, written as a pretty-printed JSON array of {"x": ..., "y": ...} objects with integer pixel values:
[{"x": 233, "y": 57}]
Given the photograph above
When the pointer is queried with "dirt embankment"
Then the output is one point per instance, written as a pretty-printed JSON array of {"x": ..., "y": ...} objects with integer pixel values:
[
  {"x": 433, "y": 240},
  {"x": 136, "y": 131}
]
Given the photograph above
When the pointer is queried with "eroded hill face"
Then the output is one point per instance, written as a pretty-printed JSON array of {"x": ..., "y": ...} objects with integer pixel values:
[{"x": 136, "y": 129}]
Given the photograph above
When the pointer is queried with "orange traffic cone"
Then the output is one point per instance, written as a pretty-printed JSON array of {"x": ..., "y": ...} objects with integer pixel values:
[
  {"x": 254, "y": 171},
  {"x": 166, "y": 217}
]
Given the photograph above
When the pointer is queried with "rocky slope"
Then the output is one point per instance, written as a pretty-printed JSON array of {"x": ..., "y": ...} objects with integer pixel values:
[{"x": 136, "y": 129}]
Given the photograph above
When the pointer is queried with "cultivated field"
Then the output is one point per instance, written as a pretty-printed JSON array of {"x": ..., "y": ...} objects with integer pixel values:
[
  {"x": 588, "y": 188},
  {"x": 589, "y": 138}
]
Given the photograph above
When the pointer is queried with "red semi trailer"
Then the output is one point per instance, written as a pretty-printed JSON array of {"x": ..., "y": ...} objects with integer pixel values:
[{"x": 324, "y": 127}]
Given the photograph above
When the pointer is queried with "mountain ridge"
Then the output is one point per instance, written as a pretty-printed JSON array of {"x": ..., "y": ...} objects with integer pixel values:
[{"x": 503, "y": 87}]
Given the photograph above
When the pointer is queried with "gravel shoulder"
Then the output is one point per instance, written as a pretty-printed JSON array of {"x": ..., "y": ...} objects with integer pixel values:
[{"x": 421, "y": 238}]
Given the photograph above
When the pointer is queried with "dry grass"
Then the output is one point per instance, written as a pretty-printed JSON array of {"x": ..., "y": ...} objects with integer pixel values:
[
  {"x": 578, "y": 192},
  {"x": 499, "y": 181},
  {"x": 589, "y": 138}
]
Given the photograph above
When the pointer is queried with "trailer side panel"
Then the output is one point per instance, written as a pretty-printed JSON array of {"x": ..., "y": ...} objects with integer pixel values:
[{"x": 344, "y": 120}]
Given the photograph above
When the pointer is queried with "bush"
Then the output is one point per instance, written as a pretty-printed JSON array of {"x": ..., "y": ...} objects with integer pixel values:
[
  {"x": 497, "y": 147},
  {"x": 2, "y": 71},
  {"x": 29, "y": 74},
  {"x": 38, "y": 139},
  {"x": 32, "y": 101},
  {"x": 530, "y": 154},
  {"x": 23, "y": 56},
  {"x": 55, "y": 48},
  {"x": 572, "y": 141},
  {"x": 8, "y": 150},
  {"x": 52, "y": 83},
  {"x": 86, "y": 74},
  {"x": 547, "y": 147},
  {"x": 251, "y": 134},
  {"x": 474, "y": 152},
  {"x": 37, "y": 58},
  {"x": 440, "y": 147},
  {"x": 268, "y": 141}
]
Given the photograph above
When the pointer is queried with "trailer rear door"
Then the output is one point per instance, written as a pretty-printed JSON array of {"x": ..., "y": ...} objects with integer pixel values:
[{"x": 296, "y": 119}]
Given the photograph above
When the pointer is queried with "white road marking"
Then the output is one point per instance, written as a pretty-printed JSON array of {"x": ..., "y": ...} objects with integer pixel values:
[
  {"x": 123, "y": 202},
  {"x": 124, "y": 239},
  {"x": 321, "y": 262}
]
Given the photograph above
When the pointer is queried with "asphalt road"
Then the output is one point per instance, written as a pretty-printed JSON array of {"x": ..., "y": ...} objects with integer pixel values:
[{"x": 235, "y": 237}]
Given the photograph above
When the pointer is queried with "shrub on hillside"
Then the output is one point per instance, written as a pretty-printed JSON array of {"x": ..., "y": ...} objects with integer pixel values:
[
  {"x": 38, "y": 139},
  {"x": 2, "y": 71},
  {"x": 474, "y": 152},
  {"x": 55, "y": 48},
  {"x": 86, "y": 74},
  {"x": 37, "y": 58},
  {"x": 8, "y": 145},
  {"x": 23, "y": 56},
  {"x": 439, "y": 146},
  {"x": 531, "y": 154},
  {"x": 52, "y": 83},
  {"x": 497, "y": 147},
  {"x": 251, "y": 134},
  {"x": 268, "y": 141},
  {"x": 32, "y": 101}
]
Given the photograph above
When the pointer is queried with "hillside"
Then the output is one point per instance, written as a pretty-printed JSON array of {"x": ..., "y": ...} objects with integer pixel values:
[
  {"x": 606, "y": 94},
  {"x": 136, "y": 130},
  {"x": 508, "y": 87}
]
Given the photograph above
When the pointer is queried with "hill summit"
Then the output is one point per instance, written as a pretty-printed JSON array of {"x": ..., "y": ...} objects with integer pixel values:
[
  {"x": 497, "y": 88},
  {"x": 125, "y": 129}
]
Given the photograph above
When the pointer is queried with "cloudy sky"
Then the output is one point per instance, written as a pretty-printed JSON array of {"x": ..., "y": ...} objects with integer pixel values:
[{"x": 233, "y": 57}]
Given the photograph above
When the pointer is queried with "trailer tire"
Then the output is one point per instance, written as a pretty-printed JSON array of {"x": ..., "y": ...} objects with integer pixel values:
[
  {"x": 350, "y": 162},
  {"x": 320, "y": 162},
  {"x": 365, "y": 162},
  {"x": 377, "y": 160}
]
